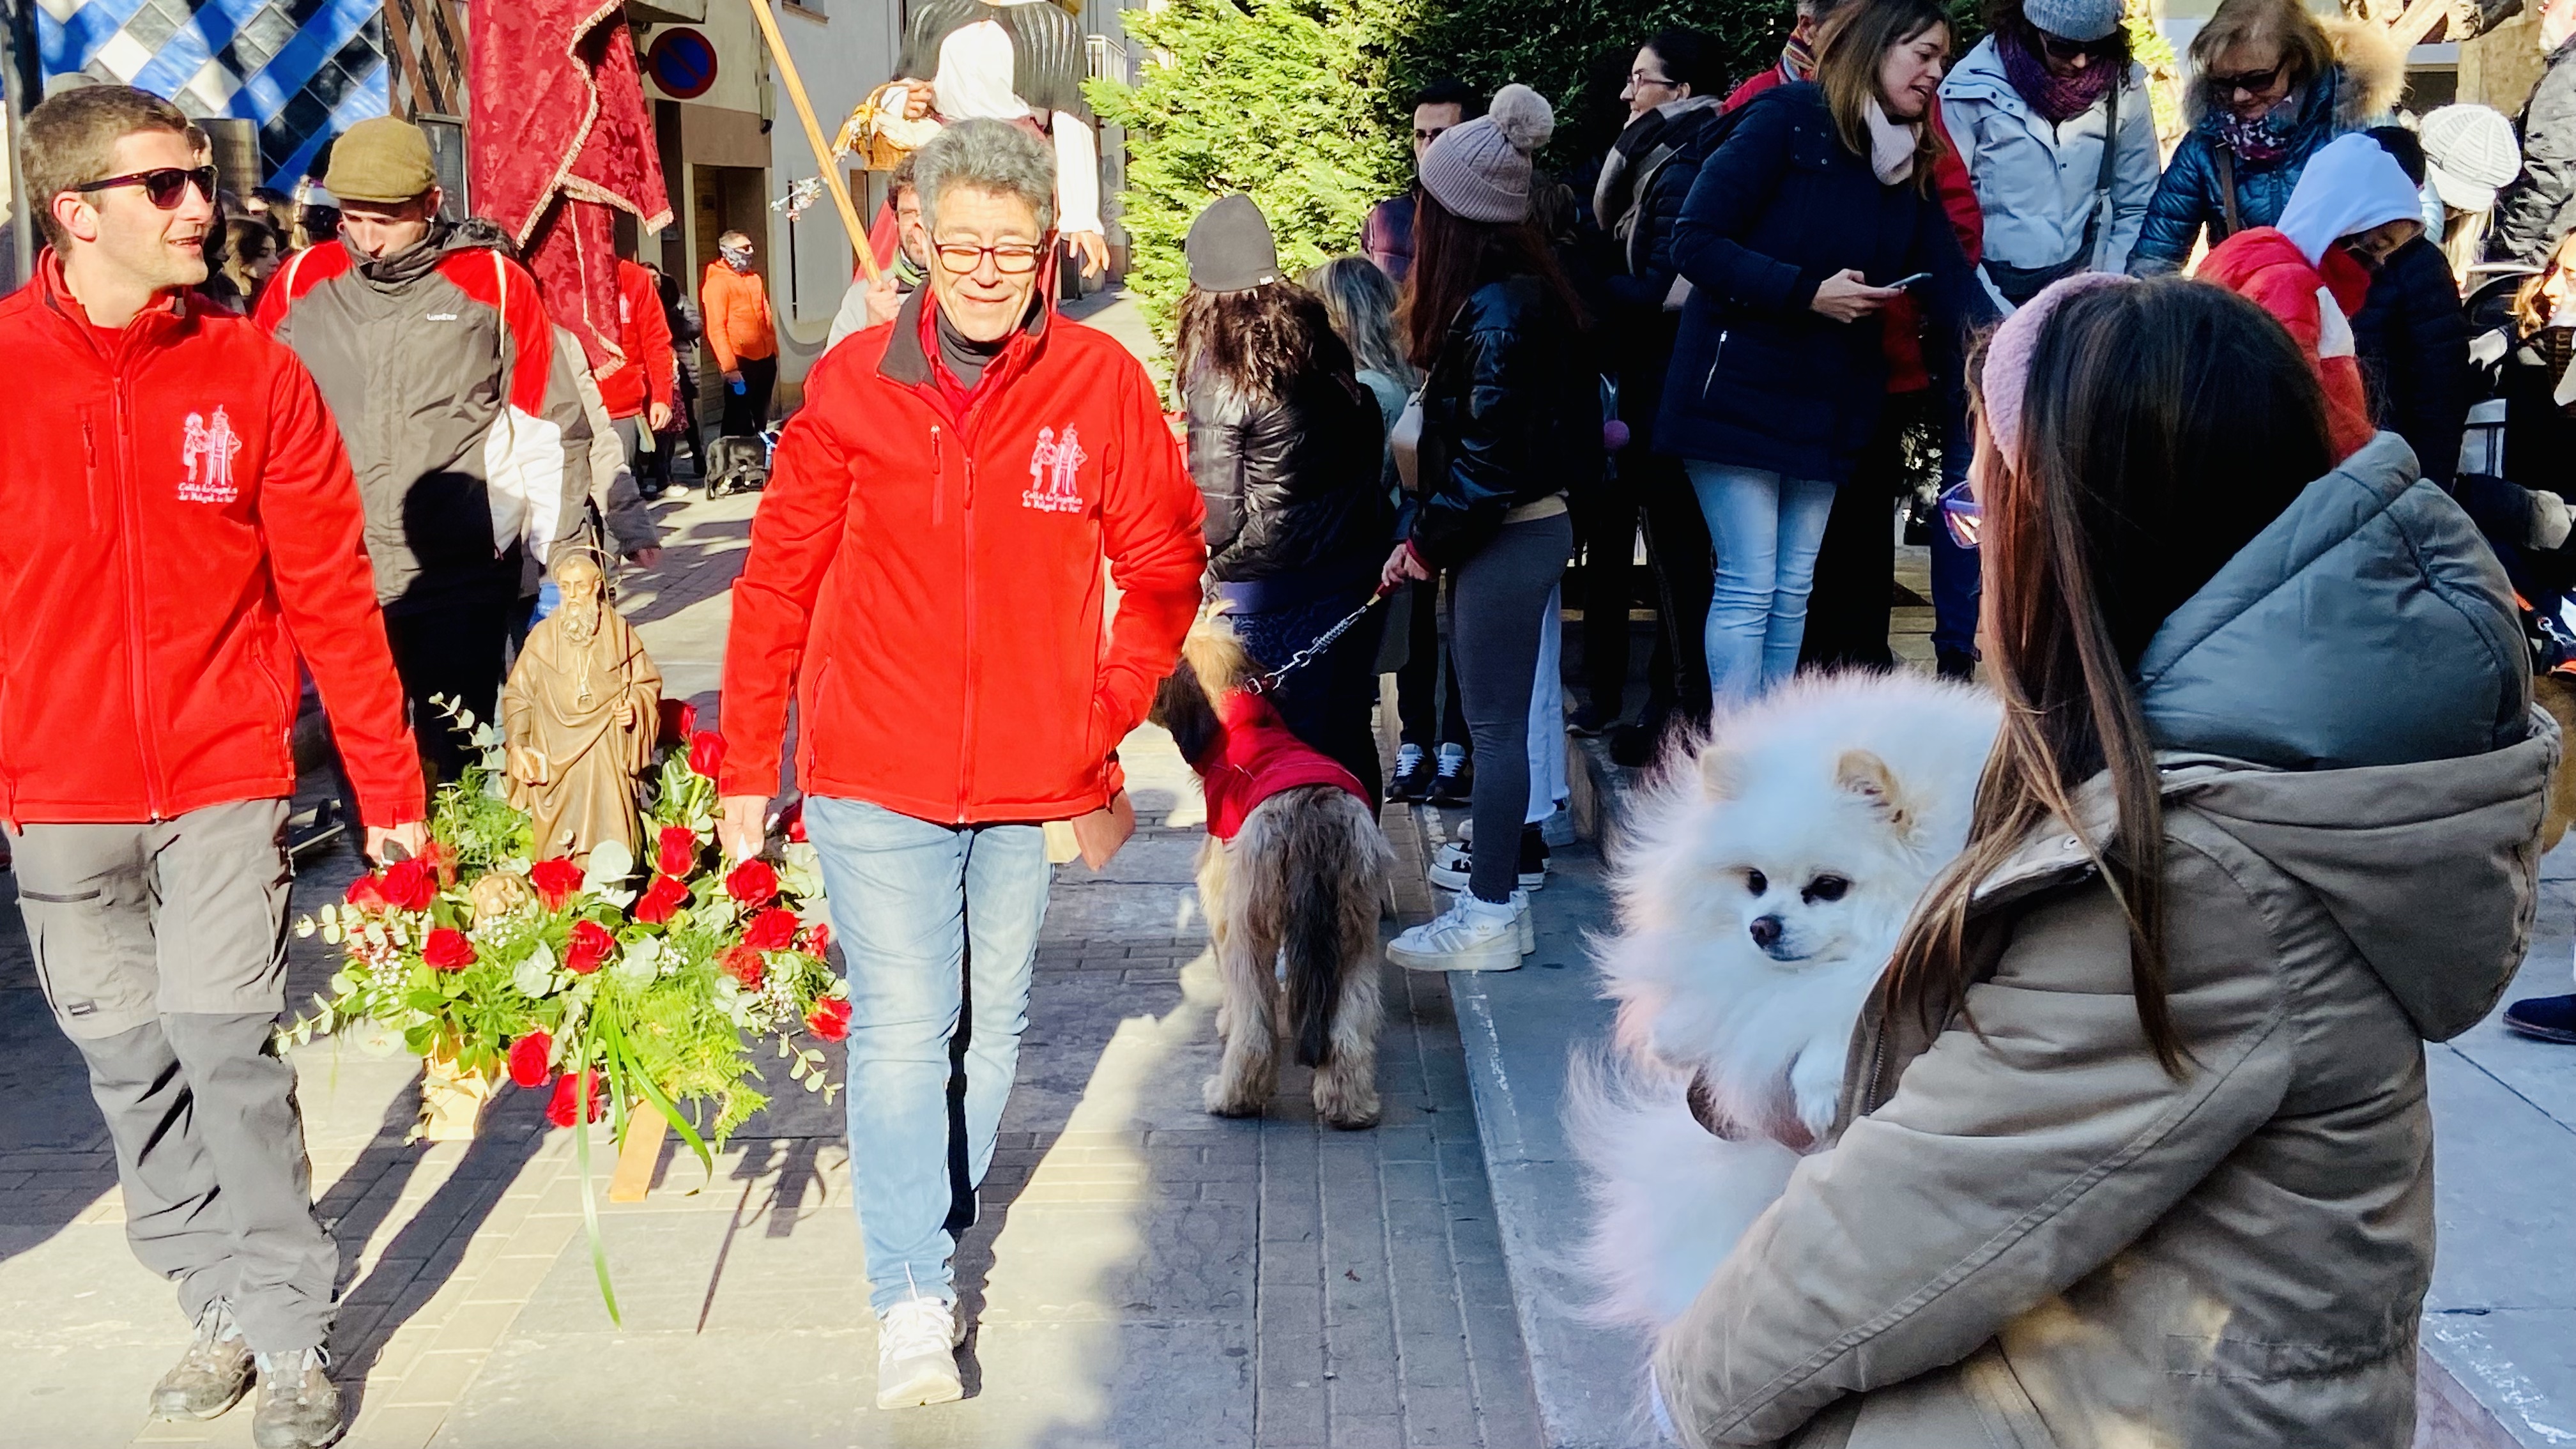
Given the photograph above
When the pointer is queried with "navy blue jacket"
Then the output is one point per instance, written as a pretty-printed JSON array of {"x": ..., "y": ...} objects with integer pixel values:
[
  {"x": 2187, "y": 199},
  {"x": 1759, "y": 379},
  {"x": 2412, "y": 341}
]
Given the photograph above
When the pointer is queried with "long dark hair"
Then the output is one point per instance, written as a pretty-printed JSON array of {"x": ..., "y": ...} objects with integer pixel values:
[
  {"x": 1848, "y": 55},
  {"x": 1453, "y": 256},
  {"x": 1257, "y": 343},
  {"x": 2164, "y": 425}
]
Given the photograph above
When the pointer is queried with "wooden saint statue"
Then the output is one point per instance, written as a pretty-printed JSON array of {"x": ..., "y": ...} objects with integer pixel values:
[{"x": 580, "y": 714}]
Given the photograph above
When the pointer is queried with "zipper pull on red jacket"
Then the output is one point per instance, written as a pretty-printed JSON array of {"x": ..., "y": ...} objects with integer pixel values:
[{"x": 938, "y": 477}]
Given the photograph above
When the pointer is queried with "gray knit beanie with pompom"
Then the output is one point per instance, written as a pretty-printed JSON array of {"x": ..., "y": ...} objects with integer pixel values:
[{"x": 1481, "y": 171}]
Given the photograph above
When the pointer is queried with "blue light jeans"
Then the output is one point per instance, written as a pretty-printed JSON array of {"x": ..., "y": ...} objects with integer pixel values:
[
  {"x": 1766, "y": 530},
  {"x": 937, "y": 924}
]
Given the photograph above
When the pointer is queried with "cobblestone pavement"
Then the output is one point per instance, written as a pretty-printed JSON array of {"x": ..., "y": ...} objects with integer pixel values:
[{"x": 1143, "y": 1274}]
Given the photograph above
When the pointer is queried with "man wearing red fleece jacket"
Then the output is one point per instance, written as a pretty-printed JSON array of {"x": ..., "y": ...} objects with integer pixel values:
[
  {"x": 183, "y": 525},
  {"x": 927, "y": 576}
]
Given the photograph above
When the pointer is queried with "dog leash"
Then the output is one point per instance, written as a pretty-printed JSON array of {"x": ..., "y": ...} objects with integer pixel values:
[{"x": 1266, "y": 683}]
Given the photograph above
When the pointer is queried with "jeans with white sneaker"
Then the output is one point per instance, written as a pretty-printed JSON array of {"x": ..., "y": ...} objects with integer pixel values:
[{"x": 938, "y": 926}]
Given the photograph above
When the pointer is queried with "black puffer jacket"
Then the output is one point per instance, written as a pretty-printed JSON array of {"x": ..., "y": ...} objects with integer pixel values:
[
  {"x": 1645, "y": 179},
  {"x": 1511, "y": 413},
  {"x": 2413, "y": 344},
  {"x": 1292, "y": 487}
]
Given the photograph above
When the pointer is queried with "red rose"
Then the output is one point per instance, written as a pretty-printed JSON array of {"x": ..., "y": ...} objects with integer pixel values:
[
  {"x": 440, "y": 857},
  {"x": 661, "y": 900},
  {"x": 555, "y": 881},
  {"x": 675, "y": 851},
  {"x": 754, "y": 883},
  {"x": 830, "y": 1019},
  {"x": 587, "y": 947},
  {"x": 706, "y": 753},
  {"x": 448, "y": 950},
  {"x": 679, "y": 720},
  {"x": 528, "y": 1059},
  {"x": 791, "y": 822},
  {"x": 743, "y": 964},
  {"x": 367, "y": 893},
  {"x": 561, "y": 1109},
  {"x": 411, "y": 884},
  {"x": 817, "y": 940},
  {"x": 772, "y": 930}
]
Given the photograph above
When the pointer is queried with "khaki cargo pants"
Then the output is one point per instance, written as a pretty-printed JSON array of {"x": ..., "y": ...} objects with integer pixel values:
[{"x": 162, "y": 949}]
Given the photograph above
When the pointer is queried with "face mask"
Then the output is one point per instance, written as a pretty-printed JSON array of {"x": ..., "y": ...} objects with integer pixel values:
[{"x": 735, "y": 258}]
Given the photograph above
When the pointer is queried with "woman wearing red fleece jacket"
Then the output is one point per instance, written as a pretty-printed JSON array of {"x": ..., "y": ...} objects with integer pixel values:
[{"x": 2353, "y": 206}]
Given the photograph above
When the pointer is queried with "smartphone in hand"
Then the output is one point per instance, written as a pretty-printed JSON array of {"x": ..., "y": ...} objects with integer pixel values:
[{"x": 1901, "y": 283}]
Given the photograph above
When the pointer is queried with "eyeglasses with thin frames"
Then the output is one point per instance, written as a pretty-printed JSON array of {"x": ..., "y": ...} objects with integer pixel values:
[
  {"x": 164, "y": 186},
  {"x": 1011, "y": 259},
  {"x": 1640, "y": 78}
]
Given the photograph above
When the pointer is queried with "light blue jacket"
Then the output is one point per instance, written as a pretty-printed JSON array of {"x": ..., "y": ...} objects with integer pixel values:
[{"x": 2036, "y": 183}]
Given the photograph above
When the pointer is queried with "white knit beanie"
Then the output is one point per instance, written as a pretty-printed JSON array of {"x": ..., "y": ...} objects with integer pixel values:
[{"x": 1481, "y": 171}]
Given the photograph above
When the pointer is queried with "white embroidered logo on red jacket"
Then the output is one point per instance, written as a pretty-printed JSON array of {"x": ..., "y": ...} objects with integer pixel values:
[
  {"x": 209, "y": 448},
  {"x": 1053, "y": 467}
]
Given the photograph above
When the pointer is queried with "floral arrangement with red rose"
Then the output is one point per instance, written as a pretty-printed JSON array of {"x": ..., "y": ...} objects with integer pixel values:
[{"x": 569, "y": 978}]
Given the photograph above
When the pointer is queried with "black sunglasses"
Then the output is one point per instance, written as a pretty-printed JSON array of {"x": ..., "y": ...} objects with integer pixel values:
[
  {"x": 2252, "y": 82},
  {"x": 167, "y": 186},
  {"x": 2063, "y": 50}
]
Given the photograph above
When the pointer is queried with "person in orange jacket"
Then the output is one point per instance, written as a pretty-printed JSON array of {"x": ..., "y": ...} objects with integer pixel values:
[
  {"x": 2353, "y": 206},
  {"x": 742, "y": 333}
]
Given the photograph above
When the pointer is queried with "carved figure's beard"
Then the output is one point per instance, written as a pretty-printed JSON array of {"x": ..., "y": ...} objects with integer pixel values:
[{"x": 581, "y": 623}]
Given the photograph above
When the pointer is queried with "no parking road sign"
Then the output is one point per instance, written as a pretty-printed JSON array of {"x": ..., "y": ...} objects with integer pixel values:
[{"x": 683, "y": 63}]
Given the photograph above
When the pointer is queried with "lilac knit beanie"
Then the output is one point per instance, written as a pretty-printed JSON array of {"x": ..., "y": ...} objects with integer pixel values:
[
  {"x": 1481, "y": 171},
  {"x": 2008, "y": 353}
]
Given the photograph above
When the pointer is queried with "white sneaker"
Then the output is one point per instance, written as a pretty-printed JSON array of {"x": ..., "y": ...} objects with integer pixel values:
[
  {"x": 1524, "y": 925},
  {"x": 1472, "y": 935},
  {"x": 1451, "y": 867},
  {"x": 917, "y": 1354}
]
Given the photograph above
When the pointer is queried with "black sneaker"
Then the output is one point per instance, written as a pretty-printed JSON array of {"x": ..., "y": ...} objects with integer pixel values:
[
  {"x": 2549, "y": 1018},
  {"x": 1590, "y": 722},
  {"x": 1412, "y": 780},
  {"x": 299, "y": 1406},
  {"x": 212, "y": 1375},
  {"x": 1453, "y": 780},
  {"x": 1635, "y": 746},
  {"x": 1957, "y": 664}
]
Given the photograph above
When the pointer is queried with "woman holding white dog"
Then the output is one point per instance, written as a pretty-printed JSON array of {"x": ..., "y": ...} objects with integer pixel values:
[
  {"x": 1511, "y": 421},
  {"x": 2134, "y": 1147}
]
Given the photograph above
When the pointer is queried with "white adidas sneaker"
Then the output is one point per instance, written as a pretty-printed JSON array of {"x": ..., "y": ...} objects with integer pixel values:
[{"x": 1472, "y": 935}]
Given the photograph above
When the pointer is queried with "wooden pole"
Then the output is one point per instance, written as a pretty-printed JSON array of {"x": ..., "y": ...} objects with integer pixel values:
[{"x": 824, "y": 161}]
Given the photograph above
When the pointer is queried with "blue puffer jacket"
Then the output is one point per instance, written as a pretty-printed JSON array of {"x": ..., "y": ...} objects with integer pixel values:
[
  {"x": 2188, "y": 198},
  {"x": 1759, "y": 379}
]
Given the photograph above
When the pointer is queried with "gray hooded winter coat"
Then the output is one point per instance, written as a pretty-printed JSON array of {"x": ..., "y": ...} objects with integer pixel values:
[{"x": 2036, "y": 1237}]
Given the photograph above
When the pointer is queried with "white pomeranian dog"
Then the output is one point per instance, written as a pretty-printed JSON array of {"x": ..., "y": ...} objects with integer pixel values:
[{"x": 1762, "y": 882}]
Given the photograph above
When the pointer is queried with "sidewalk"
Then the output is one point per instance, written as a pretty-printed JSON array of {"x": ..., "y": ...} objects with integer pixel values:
[{"x": 1144, "y": 1275}]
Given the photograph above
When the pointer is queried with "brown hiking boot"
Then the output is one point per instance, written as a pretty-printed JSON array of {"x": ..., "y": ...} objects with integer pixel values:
[{"x": 212, "y": 1375}]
